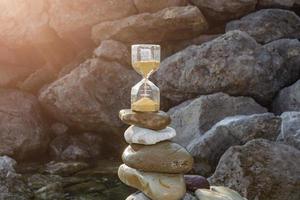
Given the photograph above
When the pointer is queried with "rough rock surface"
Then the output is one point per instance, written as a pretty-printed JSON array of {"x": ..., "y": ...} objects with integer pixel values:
[
  {"x": 276, "y": 3},
  {"x": 237, "y": 130},
  {"x": 233, "y": 63},
  {"x": 50, "y": 191},
  {"x": 23, "y": 130},
  {"x": 195, "y": 117},
  {"x": 223, "y": 10},
  {"x": 164, "y": 157},
  {"x": 288, "y": 99},
  {"x": 290, "y": 129},
  {"x": 156, "y": 121},
  {"x": 154, "y": 185},
  {"x": 113, "y": 50},
  {"x": 189, "y": 196},
  {"x": 168, "y": 24},
  {"x": 83, "y": 146},
  {"x": 260, "y": 170},
  {"x": 65, "y": 168},
  {"x": 154, "y": 6},
  {"x": 169, "y": 48},
  {"x": 268, "y": 25},
  {"x": 69, "y": 16},
  {"x": 12, "y": 185},
  {"x": 137, "y": 135},
  {"x": 37, "y": 79},
  {"x": 91, "y": 96}
]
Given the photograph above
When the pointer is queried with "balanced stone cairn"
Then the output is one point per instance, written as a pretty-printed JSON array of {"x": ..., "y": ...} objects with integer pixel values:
[{"x": 152, "y": 163}]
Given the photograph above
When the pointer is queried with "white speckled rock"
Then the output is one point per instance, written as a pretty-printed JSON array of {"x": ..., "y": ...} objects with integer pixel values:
[
  {"x": 137, "y": 196},
  {"x": 218, "y": 193},
  {"x": 155, "y": 185},
  {"x": 141, "y": 196},
  {"x": 137, "y": 135}
]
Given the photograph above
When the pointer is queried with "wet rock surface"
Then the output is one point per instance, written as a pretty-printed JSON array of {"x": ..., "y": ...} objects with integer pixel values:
[
  {"x": 98, "y": 181},
  {"x": 12, "y": 185}
]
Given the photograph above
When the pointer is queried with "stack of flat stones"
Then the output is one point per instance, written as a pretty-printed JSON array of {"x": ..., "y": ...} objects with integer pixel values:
[{"x": 152, "y": 163}]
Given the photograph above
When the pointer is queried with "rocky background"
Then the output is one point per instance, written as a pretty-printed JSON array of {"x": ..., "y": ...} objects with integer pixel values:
[{"x": 229, "y": 78}]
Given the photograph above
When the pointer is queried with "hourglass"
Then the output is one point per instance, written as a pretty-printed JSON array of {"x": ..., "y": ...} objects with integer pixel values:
[{"x": 145, "y": 95}]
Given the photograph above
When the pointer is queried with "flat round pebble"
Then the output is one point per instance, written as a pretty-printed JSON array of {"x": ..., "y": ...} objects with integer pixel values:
[
  {"x": 163, "y": 157},
  {"x": 155, "y": 185},
  {"x": 138, "y": 135},
  {"x": 151, "y": 120}
]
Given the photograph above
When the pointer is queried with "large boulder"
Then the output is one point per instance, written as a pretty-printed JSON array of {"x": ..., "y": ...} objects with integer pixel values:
[
  {"x": 23, "y": 131},
  {"x": 168, "y": 24},
  {"x": 154, "y": 6},
  {"x": 70, "y": 17},
  {"x": 290, "y": 129},
  {"x": 237, "y": 130},
  {"x": 288, "y": 99},
  {"x": 114, "y": 51},
  {"x": 90, "y": 97},
  {"x": 223, "y": 10},
  {"x": 260, "y": 170},
  {"x": 194, "y": 117},
  {"x": 12, "y": 185},
  {"x": 233, "y": 63},
  {"x": 268, "y": 25}
]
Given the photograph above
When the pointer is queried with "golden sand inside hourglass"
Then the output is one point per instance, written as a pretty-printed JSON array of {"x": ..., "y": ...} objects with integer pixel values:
[
  {"x": 145, "y": 104},
  {"x": 146, "y": 67}
]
